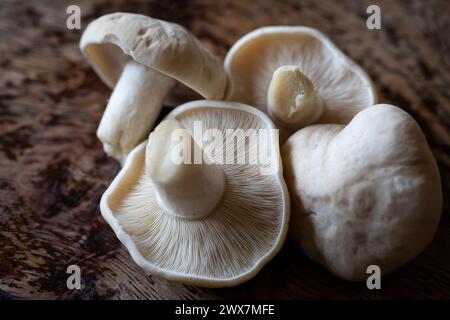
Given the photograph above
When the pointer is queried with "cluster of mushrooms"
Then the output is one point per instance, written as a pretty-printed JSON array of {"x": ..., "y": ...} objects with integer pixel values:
[{"x": 361, "y": 182}]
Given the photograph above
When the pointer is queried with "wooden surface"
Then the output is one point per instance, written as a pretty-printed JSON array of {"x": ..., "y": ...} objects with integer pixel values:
[{"x": 53, "y": 170}]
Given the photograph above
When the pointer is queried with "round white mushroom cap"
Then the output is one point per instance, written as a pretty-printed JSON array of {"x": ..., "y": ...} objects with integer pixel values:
[
  {"x": 111, "y": 40},
  {"x": 368, "y": 193},
  {"x": 297, "y": 76},
  {"x": 215, "y": 223},
  {"x": 142, "y": 59}
]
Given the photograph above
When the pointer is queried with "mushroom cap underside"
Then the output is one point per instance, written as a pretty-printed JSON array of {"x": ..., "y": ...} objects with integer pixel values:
[
  {"x": 343, "y": 86},
  {"x": 224, "y": 249}
]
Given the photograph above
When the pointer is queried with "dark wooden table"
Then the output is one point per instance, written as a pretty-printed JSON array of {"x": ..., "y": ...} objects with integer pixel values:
[{"x": 53, "y": 170}]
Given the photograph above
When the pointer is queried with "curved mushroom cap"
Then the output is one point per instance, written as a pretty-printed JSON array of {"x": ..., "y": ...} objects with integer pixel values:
[
  {"x": 368, "y": 193},
  {"x": 343, "y": 87},
  {"x": 231, "y": 244},
  {"x": 111, "y": 40}
]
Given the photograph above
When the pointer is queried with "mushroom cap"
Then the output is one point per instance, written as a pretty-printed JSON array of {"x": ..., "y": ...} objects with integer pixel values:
[
  {"x": 109, "y": 41},
  {"x": 227, "y": 247},
  {"x": 368, "y": 193},
  {"x": 342, "y": 85}
]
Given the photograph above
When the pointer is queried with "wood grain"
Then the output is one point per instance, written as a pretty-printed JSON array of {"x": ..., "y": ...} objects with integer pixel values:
[{"x": 53, "y": 170}]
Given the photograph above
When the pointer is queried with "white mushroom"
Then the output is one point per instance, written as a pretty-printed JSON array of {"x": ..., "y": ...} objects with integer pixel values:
[
  {"x": 143, "y": 58},
  {"x": 210, "y": 223},
  {"x": 368, "y": 193},
  {"x": 297, "y": 76}
]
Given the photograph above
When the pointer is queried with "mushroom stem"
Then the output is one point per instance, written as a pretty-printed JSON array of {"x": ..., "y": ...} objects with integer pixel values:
[
  {"x": 184, "y": 189},
  {"x": 291, "y": 99},
  {"x": 132, "y": 109}
]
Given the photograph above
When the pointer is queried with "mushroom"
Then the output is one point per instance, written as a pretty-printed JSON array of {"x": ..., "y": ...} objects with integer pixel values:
[
  {"x": 142, "y": 58},
  {"x": 368, "y": 193},
  {"x": 210, "y": 223},
  {"x": 297, "y": 76}
]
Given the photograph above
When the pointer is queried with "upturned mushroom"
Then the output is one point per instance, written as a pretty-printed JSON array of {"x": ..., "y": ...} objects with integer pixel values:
[
  {"x": 297, "y": 76},
  {"x": 142, "y": 58},
  {"x": 210, "y": 223},
  {"x": 368, "y": 193}
]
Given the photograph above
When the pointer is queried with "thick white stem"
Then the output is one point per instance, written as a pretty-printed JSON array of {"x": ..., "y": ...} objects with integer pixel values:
[
  {"x": 184, "y": 189},
  {"x": 133, "y": 108},
  {"x": 291, "y": 99}
]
